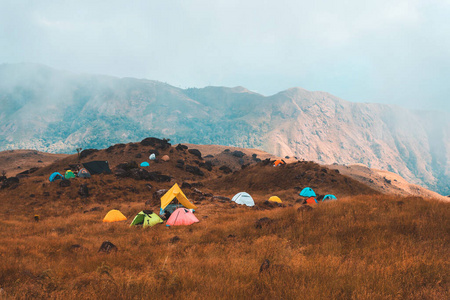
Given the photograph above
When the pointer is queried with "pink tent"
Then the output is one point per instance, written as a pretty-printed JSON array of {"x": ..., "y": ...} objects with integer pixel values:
[{"x": 181, "y": 216}]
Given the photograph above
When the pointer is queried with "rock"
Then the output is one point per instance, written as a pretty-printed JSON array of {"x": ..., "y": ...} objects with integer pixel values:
[
  {"x": 186, "y": 185},
  {"x": 197, "y": 191},
  {"x": 83, "y": 191},
  {"x": 180, "y": 166},
  {"x": 238, "y": 153},
  {"x": 264, "y": 266},
  {"x": 155, "y": 142},
  {"x": 220, "y": 198},
  {"x": 159, "y": 193},
  {"x": 287, "y": 157},
  {"x": 180, "y": 147},
  {"x": 128, "y": 165},
  {"x": 206, "y": 165},
  {"x": 195, "y": 152},
  {"x": 263, "y": 222},
  {"x": 225, "y": 169},
  {"x": 139, "y": 155},
  {"x": 64, "y": 183},
  {"x": 87, "y": 152},
  {"x": 209, "y": 156},
  {"x": 194, "y": 170},
  {"x": 153, "y": 151},
  {"x": 174, "y": 239},
  {"x": 107, "y": 247},
  {"x": 149, "y": 186},
  {"x": 96, "y": 208}
]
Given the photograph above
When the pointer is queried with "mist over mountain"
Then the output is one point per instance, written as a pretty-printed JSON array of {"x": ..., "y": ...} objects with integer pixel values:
[{"x": 57, "y": 111}]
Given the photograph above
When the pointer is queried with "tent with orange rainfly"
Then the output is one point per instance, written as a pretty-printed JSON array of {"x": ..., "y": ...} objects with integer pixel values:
[
  {"x": 311, "y": 200},
  {"x": 278, "y": 162}
]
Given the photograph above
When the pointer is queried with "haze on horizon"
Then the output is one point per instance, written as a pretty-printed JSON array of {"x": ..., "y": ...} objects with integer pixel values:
[{"x": 362, "y": 51}]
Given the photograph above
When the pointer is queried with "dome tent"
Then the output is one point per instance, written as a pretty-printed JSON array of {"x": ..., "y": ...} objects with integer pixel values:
[
  {"x": 55, "y": 176},
  {"x": 152, "y": 156},
  {"x": 145, "y": 164},
  {"x": 181, "y": 216},
  {"x": 275, "y": 199},
  {"x": 243, "y": 198},
  {"x": 329, "y": 197},
  {"x": 83, "y": 173},
  {"x": 69, "y": 174},
  {"x": 114, "y": 215},
  {"x": 307, "y": 192},
  {"x": 146, "y": 218}
]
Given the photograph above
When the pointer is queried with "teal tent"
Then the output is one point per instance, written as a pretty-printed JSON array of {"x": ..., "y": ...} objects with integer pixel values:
[
  {"x": 55, "y": 176},
  {"x": 307, "y": 192},
  {"x": 145, "y": 164},
  {"x": 329, "y": 197}
]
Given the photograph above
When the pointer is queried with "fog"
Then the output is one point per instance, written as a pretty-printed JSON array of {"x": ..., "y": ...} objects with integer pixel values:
[{"x": 395, "y": 52}]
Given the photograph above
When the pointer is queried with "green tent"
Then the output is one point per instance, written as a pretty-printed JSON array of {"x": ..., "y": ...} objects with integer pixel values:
[
  {"x": 69, "y": 174},
  {"x": 146, "y": 218}
]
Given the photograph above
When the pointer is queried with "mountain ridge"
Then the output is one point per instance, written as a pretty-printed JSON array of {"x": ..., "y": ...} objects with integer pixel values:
[{"x": 58, "y": 111}]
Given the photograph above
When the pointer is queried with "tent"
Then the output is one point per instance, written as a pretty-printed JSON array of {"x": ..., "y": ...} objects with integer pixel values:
[
  {"x": 182, "y": 216},
  {"x": 114, "y": 215},
  {"x": 83, "y": 173},
  {"x": 311, "y": 200},
  {"x": 145, "y": 164},
  {"x": 152, "y": 156},
  {"x": 307, "y": 192},
  {"x": 278, "y": 162},
  {"x": 97, "y": 167},
  {"x": 146, "y": 218},
  {"x": 243, "y": 198},
  {"x": 329, "y": 197},
  {"x": 165, "y": 158},
  {"x": 169, "y": 208},
  {"x": 176, "y": 192},
  {"x": 69, "y": 174},
  {"x": 55, "y": 176},
  {"x": 275, "y": 199}
]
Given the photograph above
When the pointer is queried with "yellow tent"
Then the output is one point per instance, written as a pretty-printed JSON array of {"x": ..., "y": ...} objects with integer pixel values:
[
  {"x": 275, "y": 199},
  {"x": 114, "y": 216},
  {"x": 175, "y": 191}
]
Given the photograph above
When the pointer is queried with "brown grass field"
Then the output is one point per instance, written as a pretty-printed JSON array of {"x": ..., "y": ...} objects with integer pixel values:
[{"x": 363, "y": 246}]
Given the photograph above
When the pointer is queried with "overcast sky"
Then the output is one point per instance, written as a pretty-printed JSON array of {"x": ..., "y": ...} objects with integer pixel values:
[{"x": 366, "y": 51}]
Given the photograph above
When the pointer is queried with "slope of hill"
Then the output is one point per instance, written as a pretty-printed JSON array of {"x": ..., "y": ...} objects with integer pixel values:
[
  {"x": 363, "y": 246},
  {"x": 49, "y": 110},
  {"x": 13, "y": 162}
]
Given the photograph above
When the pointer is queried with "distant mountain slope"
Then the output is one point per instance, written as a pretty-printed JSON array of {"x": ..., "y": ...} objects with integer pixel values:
[{"x": 56, "y": 111}]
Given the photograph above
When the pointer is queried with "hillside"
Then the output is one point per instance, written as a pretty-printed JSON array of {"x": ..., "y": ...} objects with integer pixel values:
[
  {"x": 365, "y": 245},
  {"x": 56, "y": 111}
]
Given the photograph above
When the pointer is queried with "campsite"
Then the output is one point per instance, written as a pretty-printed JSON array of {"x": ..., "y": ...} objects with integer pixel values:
[{"x": 297, "y": 230}]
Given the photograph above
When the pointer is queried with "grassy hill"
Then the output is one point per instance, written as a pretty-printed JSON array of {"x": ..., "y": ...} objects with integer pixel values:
[{"x": 363, "y": 246}]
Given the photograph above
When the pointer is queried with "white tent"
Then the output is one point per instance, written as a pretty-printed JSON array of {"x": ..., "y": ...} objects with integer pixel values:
[
  {"x": 243, "y": 198},
  {"x": 152, "y": 156}
]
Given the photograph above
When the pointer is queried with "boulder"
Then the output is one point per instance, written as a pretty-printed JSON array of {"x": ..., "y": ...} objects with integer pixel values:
[
  {"x": 225, "y": 169},
  {"x": 87, "y": 152},
  {"x": 263, "y": 222},
  {"x": 155, "y": 142},
  {"x": 195, "y": 152},
  {"x": 83, "y": 191},
  {"x": 194, "y": 170},
  {"x": 107, "y": 247},
  {"x": 180, "y": 147},
  {"x": 238, "y": 153}
]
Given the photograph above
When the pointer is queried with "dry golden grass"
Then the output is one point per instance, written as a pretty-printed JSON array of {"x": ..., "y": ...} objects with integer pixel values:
[{"x": 361, "y": 247}]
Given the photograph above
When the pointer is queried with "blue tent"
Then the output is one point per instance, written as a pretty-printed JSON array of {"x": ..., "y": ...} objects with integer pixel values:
[
  {"x": 145, "y": 164},
  {"x": 329, "y": 197},
  {"x": 55, "y": 176},
  {"x": 307, "y": 192}
]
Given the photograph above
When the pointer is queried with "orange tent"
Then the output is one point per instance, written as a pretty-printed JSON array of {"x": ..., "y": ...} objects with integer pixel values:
[
  {"x": 114, "y": 216},
  {"x": 278, "y": 162},
  {"x": 311, "y": 200}
]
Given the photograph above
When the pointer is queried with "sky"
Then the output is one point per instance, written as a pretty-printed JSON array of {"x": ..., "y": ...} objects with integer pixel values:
[{"x": 395, "y": 52}]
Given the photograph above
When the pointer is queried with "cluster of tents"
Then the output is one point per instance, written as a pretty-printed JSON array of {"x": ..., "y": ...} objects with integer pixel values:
[
  {"x": 311, "y": 196},
  {"x": 176, "y": 214},
  {"x": 153, "y": 157},
  {"x": 88, "y": 169}
]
